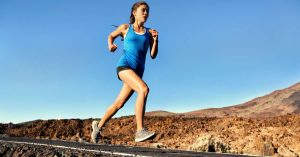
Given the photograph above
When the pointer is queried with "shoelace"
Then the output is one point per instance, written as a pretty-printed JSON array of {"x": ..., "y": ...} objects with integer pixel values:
[{"x": 142, "y": 130}]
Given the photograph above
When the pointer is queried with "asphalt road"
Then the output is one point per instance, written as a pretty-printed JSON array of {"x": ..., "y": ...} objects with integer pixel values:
[{"x": 111, "y": 150}]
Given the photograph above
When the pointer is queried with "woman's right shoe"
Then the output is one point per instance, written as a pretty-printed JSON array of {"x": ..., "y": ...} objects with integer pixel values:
[{"x": 96, "y": 132}]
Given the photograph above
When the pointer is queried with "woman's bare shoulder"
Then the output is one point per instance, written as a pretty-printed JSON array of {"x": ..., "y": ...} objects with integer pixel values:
[{"x": 124, "y": 26}]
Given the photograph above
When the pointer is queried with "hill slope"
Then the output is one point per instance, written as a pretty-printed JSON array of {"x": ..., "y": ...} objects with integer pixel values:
[{"x": 279, "y": 102}]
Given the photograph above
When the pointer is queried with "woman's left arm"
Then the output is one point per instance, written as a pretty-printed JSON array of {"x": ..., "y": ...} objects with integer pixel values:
[{"x": 153, "y": 43}]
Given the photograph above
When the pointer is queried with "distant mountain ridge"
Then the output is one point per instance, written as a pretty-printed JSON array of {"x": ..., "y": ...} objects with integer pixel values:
[{"x": 279, "y": 102}]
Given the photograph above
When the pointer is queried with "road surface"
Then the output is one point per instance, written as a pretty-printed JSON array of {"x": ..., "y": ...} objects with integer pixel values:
[{"x": 107, "y": 150}]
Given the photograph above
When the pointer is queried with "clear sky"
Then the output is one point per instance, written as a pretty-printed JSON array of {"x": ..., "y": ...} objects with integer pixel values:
[{"x": 54, "y": 60}]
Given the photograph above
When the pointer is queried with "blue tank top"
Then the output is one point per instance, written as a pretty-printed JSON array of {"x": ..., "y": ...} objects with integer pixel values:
[{"x": 135, "y": 50}]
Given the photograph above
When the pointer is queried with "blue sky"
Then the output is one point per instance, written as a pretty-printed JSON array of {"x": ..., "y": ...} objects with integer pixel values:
[{"x": 54, "y": 61}]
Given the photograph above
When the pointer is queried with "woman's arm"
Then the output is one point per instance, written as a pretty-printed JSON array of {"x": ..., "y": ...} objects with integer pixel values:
[
  {"x": 153, "y": 43},
  {"x": 120, "y": 31}
]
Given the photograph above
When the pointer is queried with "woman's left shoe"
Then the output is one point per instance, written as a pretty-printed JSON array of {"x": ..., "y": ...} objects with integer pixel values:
[{"x": 143, "y": 135}]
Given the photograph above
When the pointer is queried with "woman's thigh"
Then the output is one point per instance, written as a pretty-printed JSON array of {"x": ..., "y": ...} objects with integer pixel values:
[
  {"x": 129, "y": 77},
  {"x": 125, "y": 93}
]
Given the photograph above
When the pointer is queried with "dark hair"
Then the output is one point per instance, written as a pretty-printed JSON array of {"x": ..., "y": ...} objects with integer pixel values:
[{"x": 134, "y": 7}]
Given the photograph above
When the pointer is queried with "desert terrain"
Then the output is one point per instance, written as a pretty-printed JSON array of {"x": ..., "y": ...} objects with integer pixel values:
[{"x": 267, "y": 125}]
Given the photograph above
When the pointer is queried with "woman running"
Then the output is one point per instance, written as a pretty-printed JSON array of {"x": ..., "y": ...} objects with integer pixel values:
[{"x": 130, "y": 68}]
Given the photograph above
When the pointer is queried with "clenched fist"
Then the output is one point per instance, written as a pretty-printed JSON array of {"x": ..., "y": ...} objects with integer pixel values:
[{"x": 112, "y": 47}]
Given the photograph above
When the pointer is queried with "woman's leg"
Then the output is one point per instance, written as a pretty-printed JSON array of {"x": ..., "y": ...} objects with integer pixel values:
[
  {"x": 137, "y": 84},
  {"x": 122, "y": 98}
]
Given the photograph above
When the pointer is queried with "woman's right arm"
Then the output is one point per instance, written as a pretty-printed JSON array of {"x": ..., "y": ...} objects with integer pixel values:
[{"x": 113, "y": 35}]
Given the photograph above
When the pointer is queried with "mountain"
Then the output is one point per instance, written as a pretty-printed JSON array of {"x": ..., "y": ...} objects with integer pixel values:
[
  {"x": 160, "y": 113},
  {"x": 279, "y": 102}
]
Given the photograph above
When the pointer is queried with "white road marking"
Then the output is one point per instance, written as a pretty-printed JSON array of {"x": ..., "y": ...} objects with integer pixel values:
[{"x": 81, "y": 149}]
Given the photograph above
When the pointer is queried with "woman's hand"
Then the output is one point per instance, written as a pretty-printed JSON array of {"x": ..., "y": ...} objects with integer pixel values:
[
  {"x": 112, "y": 47},
  {"x": 153, "y": 43},
  {"x": 154, "y": 34}
]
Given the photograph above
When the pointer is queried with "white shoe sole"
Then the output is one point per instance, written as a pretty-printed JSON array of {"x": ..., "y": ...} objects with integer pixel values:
[
  {"x": 145, "y": 138},
  {"x": 94, "y": 124}
]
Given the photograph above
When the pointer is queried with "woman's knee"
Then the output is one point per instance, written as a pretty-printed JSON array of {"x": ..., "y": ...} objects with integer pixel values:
[{"x": 144, "y": 89}]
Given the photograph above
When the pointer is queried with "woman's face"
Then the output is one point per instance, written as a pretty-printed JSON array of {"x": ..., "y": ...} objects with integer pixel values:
[{"x": 141, "y": 14}]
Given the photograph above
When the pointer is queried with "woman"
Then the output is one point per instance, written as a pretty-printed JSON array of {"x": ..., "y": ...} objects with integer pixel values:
[{"x": 130, "y": 68}]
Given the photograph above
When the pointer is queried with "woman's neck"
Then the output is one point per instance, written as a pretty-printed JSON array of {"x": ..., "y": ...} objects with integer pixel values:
[{"x": 138, "y": 25}]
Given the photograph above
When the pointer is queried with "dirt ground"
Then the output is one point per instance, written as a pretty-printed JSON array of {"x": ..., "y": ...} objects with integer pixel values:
[{"x": 275, "y": 136}]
